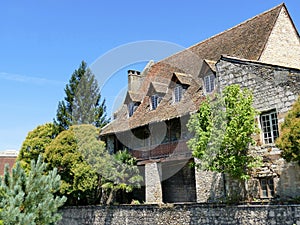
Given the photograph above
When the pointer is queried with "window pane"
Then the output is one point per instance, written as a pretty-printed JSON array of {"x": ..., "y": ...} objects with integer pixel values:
[
  {"x": 269, "y": 126},
  {"x": 209, "y": 83},
  {"x": 178, "y": 93},
  {"x": 263, "y": 186}
]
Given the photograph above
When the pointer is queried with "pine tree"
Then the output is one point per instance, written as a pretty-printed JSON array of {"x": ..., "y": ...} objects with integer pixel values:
[
  {"x": 82, "y": 104},
  {"x": 30, "y": 198}
]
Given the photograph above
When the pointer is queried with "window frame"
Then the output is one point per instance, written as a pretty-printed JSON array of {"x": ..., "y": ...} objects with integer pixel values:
[
  {"x": 269, "y": 126},
  {"x": 209, "y": 83},
  {"x": 178, "y": 92},
  {"x": 154, "y": 101},
  {"x": 132, "y": 108},
  {"x": 266, "y": 187}
]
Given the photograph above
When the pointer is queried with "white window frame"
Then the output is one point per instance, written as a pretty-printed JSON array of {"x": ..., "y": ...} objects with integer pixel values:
[
  {"x": 209, "y": 83},
  {"x": 177, "y": 94},
  {"x": 154, "y": 101},
  {"x": 269, "y": 126}
]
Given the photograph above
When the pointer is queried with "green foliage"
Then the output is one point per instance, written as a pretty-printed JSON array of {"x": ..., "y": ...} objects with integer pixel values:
[
  {"x": 82, "y": 104},
  {"x": 289, "y": 139},
  {"x": 222, "y": 133},
  {"x": 29, "y": 198},
  {"x": 123, "y": 175},
  {"x": 79, "y": 179},
  {"x": 36, "y": 143}
]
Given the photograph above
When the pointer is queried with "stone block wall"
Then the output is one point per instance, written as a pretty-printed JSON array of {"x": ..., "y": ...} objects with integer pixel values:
[
  {"x": 273, "y": 87},
  {"x": 209, "y": 185},
  {"x": 179, "y": 182},
  {"x": 192, "y": 214},
  {"x": 283, "y": 46},
  {"x": 153, "y": 178}
]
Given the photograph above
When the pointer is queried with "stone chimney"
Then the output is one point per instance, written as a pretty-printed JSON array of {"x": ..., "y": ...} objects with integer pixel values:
[{"x": 134, "y": 80}]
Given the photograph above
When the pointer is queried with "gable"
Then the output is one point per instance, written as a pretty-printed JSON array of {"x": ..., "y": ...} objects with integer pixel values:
[{"x": 283, "y": 44}]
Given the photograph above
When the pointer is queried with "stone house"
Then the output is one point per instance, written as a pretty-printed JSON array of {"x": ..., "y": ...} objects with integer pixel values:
[{"x": 261, "y": 54}]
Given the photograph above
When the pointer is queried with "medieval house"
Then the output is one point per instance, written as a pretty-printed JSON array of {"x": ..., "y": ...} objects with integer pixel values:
[{"x": 261, "y": 54}]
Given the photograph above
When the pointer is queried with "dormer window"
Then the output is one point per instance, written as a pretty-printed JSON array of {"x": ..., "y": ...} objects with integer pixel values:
[
  {"x": 209, "y": 83},
  {"x": 155, "y": 100},
  {"x": 178, "y": 92},
  {"x": 132, "y": 108}
]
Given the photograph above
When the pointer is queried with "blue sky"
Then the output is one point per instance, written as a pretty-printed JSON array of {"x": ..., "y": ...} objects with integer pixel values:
[{"x": 43, "y": 42}]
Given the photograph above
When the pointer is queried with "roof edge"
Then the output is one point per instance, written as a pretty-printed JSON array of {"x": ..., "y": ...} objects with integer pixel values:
[{"x": 248, "y": 61}]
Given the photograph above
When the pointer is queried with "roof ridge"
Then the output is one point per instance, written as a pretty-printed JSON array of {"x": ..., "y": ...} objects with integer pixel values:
[
  {"x": 227, "y": 30},
  {"x": 242, "y": 23}
]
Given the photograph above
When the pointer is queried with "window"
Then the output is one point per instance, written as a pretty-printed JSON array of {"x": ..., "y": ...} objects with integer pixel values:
[
  {"x": 177, "y": 93},
  {"x": 132, "y": 107},
  {"x": 155, "y": 99},
  {"x": 209, "y": 83},
  {"x": 267, "y": 187},
  {"x": 269, "y": 125}
]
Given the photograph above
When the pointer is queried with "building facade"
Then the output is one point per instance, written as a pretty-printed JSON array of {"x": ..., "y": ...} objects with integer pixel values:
[{"x": 261, "y": 54}]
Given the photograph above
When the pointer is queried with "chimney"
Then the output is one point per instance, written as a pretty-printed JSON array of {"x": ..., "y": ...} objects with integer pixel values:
[{"x": 134, "y": 80}]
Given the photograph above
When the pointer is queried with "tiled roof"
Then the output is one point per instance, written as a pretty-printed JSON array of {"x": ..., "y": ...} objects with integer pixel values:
[{"x": 246, "y": 40}]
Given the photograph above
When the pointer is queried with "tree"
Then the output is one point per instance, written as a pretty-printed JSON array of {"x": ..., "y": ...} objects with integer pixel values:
[
  {"x": 82, "y": 104},
  {"x": 79, "y": 179},
  {"x": 223, "y": 131},
  {"x": 116, "y": 172},
  {"x": 30, "y": 198},
  {"x": 289, "y": 139},
  {"x": 36, "y": 143},
  {"x": 124, "y": 175}
]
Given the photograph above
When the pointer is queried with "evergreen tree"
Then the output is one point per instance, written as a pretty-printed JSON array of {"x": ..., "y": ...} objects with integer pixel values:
[
  {"x": 82, "y": 104},
  {"x": 29, "y": 198}
]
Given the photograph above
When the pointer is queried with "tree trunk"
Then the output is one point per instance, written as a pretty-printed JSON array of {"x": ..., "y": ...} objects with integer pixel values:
[{"x": 110, "y": 197}]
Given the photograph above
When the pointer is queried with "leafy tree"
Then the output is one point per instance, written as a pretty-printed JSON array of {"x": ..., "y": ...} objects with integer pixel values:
[
  {"x": 82, "y": 104},
  {"x": 36, "y": 143},
  {"x": 29, "y": 198},
  {"x": 79, "y": 179},
  {"x": 116, "y": 172},
  {"x": 223, "y": 129},
  {"x": 289, "y": 139}
]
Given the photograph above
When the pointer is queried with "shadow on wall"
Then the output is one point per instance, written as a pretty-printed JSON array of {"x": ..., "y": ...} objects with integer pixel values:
[{"x": 288, "y": 186}]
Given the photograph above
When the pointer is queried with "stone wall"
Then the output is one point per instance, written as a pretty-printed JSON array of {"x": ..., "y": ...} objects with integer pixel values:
[
  {"x": 153, "y": 178},
  {"x": 273, "y": 87},
  {"x": 283, "y": 46},
  {"x": 178, "y": 183},
  {"x": 193, "y": 214}
]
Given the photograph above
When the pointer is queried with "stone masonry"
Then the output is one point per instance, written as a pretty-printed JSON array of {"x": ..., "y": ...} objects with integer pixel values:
[
  {"x": 188, "y": 214},
  {"x": 283, "y": 36},
  {"x": 153, "y": 177},
  {"x": 273, "y": 87}
]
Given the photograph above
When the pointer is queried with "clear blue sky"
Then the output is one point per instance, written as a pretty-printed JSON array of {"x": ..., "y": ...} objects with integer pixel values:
[{"x": 43, "y": 42}]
